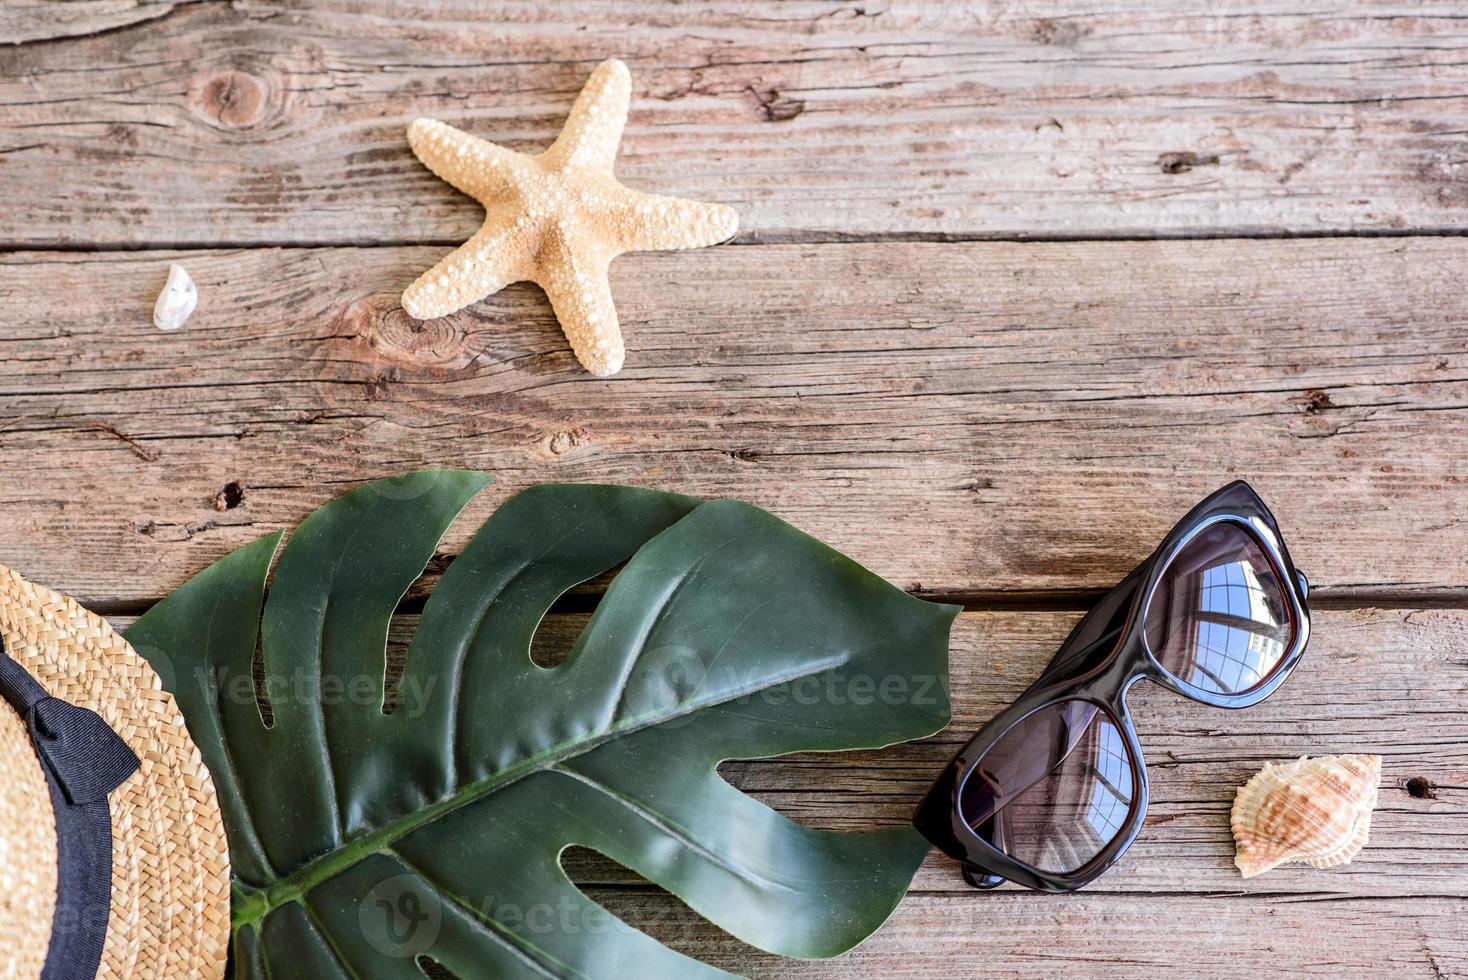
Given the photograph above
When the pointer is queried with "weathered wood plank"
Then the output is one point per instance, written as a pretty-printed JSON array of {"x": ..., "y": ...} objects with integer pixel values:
[
  {"x": 967, "y": 419},
  {"x": 1086, "y": 935},
  {"x": 25, "y": 21},
  {"x": 264, "y": 122},
  {"x": 1390, "y": 682},
  {"x": 1385, "y": 681}
]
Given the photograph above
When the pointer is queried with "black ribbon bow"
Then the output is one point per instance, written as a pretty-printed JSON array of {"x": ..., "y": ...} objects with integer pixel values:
[{"x": 84, "y": 760}]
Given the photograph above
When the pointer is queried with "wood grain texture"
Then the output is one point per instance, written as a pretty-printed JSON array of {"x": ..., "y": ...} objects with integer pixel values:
[
  {"x": 972, "y": 420},
  {"x": 1008, "y": 425},
  {"x": 29, "y": 21},
  {"x": 1384, "y": 681},
  {"x": 261, "y": 122},
  {"x": 1091, "y": 936},
  {"x": 1387, "y": 681}
]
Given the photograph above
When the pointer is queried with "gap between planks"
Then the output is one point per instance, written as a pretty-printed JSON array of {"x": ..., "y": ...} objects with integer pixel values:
[
  {"x": 790, "y": 237},
  {"x": 1059, "y": 601}
]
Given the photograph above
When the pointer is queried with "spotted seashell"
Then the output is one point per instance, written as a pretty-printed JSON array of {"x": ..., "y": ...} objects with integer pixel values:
[{"x": 1315, "y": 810}]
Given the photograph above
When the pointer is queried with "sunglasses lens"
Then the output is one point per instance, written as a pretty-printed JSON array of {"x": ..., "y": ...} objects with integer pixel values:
[
  {"x": 1055, "y": 789},
  {"x": 1218, "y": 621}
]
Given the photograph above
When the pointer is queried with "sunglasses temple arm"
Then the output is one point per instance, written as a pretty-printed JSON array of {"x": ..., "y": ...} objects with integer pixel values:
[
  {"x": 1106, "y": 639},
  {"x": 982, "y": 878}
]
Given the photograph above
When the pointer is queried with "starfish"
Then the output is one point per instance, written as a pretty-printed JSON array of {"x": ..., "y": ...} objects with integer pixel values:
[{"x": 557, "y": 219}]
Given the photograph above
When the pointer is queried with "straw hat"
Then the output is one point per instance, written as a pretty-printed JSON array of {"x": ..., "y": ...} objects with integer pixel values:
[{"x": 168, "y": 914}]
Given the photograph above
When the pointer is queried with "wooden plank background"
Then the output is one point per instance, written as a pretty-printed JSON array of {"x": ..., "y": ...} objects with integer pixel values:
[
  {"x": 258, "y": 122},
  {"x": 969, "y": 419},
  {"x": 1016, "y": 283}
]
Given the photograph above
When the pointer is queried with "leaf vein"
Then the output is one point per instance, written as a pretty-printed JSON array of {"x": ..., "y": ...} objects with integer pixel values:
[
  {"x": 667, "y": 826},
  {"x": 533, "y": 956},
  {"x": 640, "y": 645},
  {"x": 231, "y": 766},
  {"x": 320, "y": 930}
]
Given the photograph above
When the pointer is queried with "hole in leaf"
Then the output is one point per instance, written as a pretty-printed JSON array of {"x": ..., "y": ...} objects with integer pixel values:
[
  {"x": 666, "y": 918},
  {"x": 562, "y": 626},
  {"x": 594, "y": 588},
  {"x": 588, "y": 867},
  {"x": 435, "y": 970},
  {"x": 262, "y": 694},
  {"x": 845, "y": 791},
  {"x": 399, "y": 637},
  {"x": 555, "y": 636},
  {"x": 626, "y": 899}
]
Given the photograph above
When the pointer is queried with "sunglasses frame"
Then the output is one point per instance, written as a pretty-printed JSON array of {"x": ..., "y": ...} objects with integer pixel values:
[{"x": 1099, "y": 662}]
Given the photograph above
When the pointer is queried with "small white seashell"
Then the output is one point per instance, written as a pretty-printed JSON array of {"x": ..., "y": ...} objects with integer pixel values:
[
  {"x": 1314, "y": 810},
  {"x": 177, "y": 301}
]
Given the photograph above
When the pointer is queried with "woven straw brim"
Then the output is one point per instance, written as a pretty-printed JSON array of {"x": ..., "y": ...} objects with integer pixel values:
[
  {"x": 27, "y": 851},
  {"x": 170, "y": 863}
]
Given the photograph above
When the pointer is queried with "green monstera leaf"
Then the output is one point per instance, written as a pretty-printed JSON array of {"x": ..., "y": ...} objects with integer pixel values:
[{"x": 366, "y": 842}]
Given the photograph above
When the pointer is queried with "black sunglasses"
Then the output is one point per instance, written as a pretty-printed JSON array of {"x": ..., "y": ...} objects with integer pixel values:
[{"x": 1051, "y": 792}]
